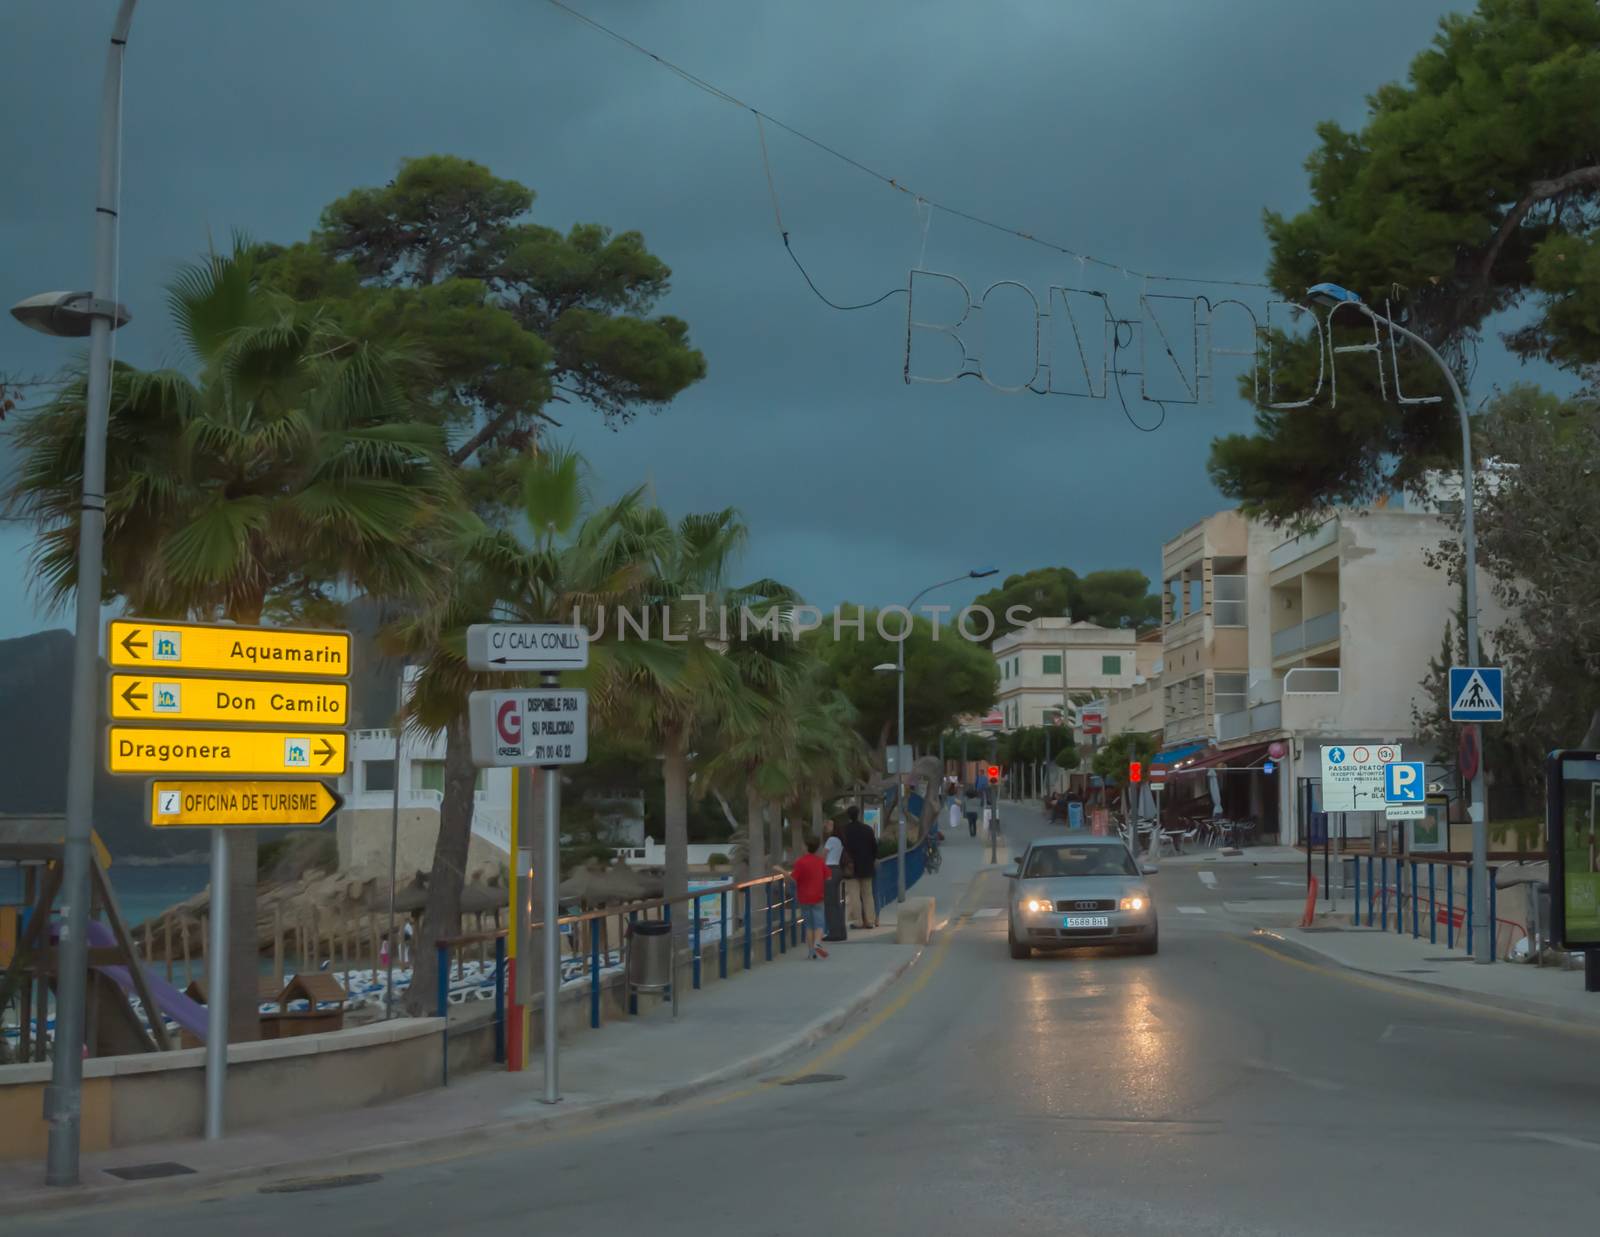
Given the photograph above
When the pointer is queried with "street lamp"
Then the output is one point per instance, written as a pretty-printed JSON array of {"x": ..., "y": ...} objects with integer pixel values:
[
  {"x": 77, "y": 314},
  {"x": 95, "y": 314},
  {"x": 1332, "y": 296},
  {"x": 977, "y": 573}
]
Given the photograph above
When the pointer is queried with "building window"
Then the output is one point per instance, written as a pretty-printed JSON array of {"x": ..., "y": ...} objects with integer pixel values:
[
  {"x": 1228, "y": 601},
  {"x": 427, "y": 775},
  {"x": 377, "y": 775},
  {"x": 1111, "y": 664},
  {"x": 1228, "y": 692},
  {"x": 1195, "y": 588},
  {"x": 1052, "y": 663}
]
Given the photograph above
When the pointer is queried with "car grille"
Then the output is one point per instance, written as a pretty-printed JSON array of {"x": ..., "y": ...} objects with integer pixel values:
[
  {"x": 1070, "y": 933},
  {"x": 1073, "y": 905}
]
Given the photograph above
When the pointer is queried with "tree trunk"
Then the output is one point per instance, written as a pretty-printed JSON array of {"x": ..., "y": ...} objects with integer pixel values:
[
  {"x": 441, "y": 914},
  {"x": 755, "y": 833},
  {"x": 775, "y": 824},
  {"x": 244, "y": 947},
  {"x": 675, "y": 775}
]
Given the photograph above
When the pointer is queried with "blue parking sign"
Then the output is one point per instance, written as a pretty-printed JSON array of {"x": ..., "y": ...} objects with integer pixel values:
[{"x": 1404, "y": 781}]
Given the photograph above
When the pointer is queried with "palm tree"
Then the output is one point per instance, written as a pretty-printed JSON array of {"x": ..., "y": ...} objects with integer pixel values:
[
  {"x": 576, "y": 562},
  {"x": 671, "y": 687},
  {"x": 278, "y": 473}
]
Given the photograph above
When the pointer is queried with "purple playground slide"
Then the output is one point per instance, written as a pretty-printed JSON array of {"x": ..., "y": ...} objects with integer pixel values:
[{"x": 188, "y": 1014}]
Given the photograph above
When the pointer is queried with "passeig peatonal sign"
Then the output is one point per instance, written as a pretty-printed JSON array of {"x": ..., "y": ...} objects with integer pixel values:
[{"x": 1071, "y": 341}]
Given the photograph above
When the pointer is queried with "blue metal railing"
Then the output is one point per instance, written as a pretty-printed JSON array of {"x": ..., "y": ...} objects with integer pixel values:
[
  {"x": 886, "y": 880},
  {"x": 1459, "y": 919}
]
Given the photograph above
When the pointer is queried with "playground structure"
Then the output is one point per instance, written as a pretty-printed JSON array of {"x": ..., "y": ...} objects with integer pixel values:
[
  {"x": 131, "y": 1008},
  {"x": 29, "y": 955}
]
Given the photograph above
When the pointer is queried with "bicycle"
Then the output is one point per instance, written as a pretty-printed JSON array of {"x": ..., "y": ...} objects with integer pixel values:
[{"x": 934, "y": 857}]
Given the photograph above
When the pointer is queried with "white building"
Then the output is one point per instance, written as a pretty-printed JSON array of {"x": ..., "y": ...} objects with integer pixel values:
[
  {"x": 368, "y": 787},
  {"x": 1352, "y": 615},
  {"x": 1048, "y": 662}
]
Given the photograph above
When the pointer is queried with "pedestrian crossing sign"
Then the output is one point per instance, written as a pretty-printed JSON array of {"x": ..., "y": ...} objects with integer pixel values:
[{"x": 1477, "y": 694}]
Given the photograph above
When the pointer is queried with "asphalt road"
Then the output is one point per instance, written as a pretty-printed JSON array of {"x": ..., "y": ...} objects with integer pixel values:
[{"x": 1218, "y": 1087}]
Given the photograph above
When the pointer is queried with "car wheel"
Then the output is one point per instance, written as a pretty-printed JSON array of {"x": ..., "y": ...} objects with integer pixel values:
[
  {"x": 1151, "y": 946},
  {"x": 1018, "y": 949}
]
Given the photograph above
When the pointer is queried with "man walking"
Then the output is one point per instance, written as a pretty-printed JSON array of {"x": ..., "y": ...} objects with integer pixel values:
[
  {"x": 861, "y": 858},
  {"x": 810, "y": 880},
  {"x": 833, "y": 894}
]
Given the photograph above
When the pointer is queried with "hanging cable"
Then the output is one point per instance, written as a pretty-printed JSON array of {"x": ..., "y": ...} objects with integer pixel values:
[{"x": 718, "y": 93}]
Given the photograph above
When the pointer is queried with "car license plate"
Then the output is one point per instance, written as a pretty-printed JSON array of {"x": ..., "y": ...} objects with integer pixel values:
[{"x": 1088, "y": 921}]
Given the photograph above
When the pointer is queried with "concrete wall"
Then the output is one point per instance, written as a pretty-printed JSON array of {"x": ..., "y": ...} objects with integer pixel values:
[
  {"x": 153, "y": 1097},
  {"x": 363, "y": 835}
]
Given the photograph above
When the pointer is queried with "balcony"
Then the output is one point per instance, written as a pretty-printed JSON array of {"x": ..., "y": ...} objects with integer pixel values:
[
  {"x": 1319, "y": 629},
  {"x": 1255, "y": 720},
  {"x": 1286, "y": 552}
]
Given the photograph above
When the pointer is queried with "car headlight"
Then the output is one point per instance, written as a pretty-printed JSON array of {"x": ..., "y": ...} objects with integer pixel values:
[
  {"x": 1131, "y": 904},
  {"x": 1038, "y": 904}
]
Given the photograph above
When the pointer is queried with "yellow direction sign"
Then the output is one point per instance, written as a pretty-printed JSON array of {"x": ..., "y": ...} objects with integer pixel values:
[
  {"x": 146, "y": 644},
  {"x": 192, "y": 804},
  {"x": 254, "y": 702},
  {"x": 229, "y": 753}
]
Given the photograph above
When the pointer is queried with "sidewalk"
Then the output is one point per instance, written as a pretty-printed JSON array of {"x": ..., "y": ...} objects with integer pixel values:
[
  {"x": 747, "y": 1026},
  {"x": 1544, "y": 992}
]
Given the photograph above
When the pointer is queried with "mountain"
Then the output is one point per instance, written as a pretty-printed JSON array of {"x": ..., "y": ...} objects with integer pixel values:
[{"x": 35, "y": 715}]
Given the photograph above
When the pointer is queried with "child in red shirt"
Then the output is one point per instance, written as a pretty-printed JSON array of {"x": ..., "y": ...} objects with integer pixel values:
[{"x": 810, "y": 879}]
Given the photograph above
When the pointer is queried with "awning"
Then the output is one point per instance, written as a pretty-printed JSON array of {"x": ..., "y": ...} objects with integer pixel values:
[
  {"x": 1229, "y": 760},
  {"x": 1173, "y": 754}
]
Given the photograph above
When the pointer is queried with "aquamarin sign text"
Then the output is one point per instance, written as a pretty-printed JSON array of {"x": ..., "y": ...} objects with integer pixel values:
[{"x": 1073, "y": 342}]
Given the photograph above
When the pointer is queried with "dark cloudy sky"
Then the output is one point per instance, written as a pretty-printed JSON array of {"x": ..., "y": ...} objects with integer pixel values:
[{"x": 1147, "y": 132}]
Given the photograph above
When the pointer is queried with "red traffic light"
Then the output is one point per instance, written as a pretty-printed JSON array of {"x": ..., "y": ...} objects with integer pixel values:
[
  {"x": 1135, "y": 771},
  {"x": 994, "y": 773}
]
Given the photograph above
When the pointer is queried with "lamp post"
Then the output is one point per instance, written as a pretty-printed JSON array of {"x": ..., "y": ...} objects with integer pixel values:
[
  {"x": 1332, "y": 295},
  {"x": 899, "y": 668},
  {"x": 96, "y": 315}
]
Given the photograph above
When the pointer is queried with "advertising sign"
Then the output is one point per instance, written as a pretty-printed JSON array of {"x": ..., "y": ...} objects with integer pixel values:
[{"x": 1572, "y": 817}]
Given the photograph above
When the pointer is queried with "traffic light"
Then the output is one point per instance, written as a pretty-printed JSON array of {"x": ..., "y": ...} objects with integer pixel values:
[
  {"x": 994, "y": 773},
  {"x": 1135, "y": 771}
]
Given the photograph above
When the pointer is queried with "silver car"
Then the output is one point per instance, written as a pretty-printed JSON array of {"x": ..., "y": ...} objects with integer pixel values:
[{"x": 1080, "y": 889}]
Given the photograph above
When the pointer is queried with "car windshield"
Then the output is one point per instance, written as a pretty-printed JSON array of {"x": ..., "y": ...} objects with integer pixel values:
[{"x": 1080, "y": 861}]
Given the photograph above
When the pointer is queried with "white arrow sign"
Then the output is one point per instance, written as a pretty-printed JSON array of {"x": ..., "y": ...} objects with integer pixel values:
[
  {"x": 533, "y": 726},
  {"x": 526, "y": 646}
]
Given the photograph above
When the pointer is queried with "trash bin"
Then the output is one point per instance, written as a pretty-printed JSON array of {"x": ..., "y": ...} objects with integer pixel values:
[{"x": 650, "y": 957}]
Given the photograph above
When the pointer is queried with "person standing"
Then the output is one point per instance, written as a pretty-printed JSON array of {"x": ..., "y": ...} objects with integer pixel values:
[
  {"x": 810, "y": 876},
  {"x": 861, "y": 859},
  {"x": 833, "y": 894}
]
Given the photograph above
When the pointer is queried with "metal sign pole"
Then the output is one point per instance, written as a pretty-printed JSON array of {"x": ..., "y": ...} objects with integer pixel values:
[
  {"x": 552, "y": 916},
  {"x": 217, "y": 987}
]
